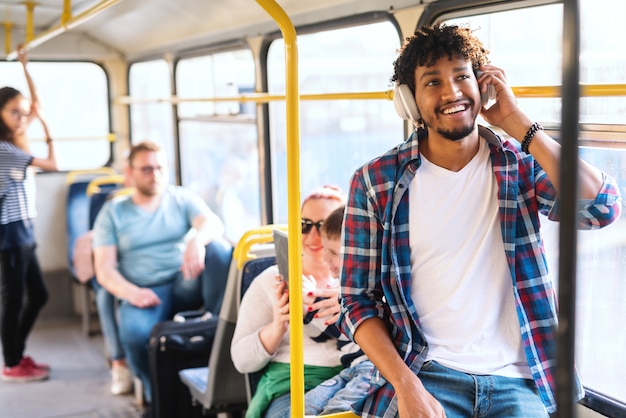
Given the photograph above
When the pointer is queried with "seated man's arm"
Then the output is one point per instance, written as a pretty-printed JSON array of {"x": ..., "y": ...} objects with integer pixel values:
[
  {"x": 107, "y": 274},
  {"x": 205, "y": 227}
]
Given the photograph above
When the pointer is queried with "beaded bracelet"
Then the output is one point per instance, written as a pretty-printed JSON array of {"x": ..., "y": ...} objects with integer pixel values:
[{"x": 530, "y": 135}]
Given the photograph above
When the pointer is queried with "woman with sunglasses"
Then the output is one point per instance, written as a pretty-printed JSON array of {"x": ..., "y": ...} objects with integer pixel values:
[
  {"x": 261, "y": 338},
  {"x": 22, "y": 288}
]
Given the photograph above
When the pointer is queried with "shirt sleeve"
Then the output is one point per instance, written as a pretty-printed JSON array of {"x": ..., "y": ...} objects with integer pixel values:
[
  {"x": 255, "y": 312},
  {"x": 195, "y": 206},
  {"x": 104, "y": 230},
  {"x": 595, "y": 213},
  {"x": 361, "y": 291}
]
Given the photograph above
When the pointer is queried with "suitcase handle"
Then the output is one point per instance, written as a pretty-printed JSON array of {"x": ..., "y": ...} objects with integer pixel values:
[{"x": 192, "y": 316}]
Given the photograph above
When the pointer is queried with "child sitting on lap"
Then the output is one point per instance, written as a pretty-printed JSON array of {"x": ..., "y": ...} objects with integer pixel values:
[{"x": 338, "y": 393}]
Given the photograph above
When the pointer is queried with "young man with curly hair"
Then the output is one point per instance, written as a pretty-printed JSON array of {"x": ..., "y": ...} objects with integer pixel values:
[{"x": 445, "y": 284}]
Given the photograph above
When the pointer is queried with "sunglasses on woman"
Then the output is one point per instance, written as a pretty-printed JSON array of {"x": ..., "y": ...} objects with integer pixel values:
[{"x": 308, "y": 224}]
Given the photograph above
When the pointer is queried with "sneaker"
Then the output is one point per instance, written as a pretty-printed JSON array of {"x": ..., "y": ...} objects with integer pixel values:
[
  {"x": 147, "y": 412},
  {"x": 21, "y": 373},
  {"x": 121, "y": 380},
  {"x": 28, "y": 361}
]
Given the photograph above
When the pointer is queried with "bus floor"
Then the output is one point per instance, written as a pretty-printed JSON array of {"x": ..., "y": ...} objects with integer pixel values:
[{"x": 79, "y": 384}]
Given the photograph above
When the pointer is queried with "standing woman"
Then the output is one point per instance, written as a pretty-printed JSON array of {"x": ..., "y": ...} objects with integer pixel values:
[{"x": 22, "y": 289}]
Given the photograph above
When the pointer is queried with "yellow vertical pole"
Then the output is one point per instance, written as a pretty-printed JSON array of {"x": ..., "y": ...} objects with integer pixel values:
[
  {"x": 7, "y": 36},
  {"x": 292, "y": 98},
  {"x": 66, "y": 16},
  {"x": 30, "y": 20}
]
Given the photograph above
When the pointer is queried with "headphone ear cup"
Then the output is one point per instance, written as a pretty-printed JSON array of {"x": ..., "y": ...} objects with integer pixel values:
[{"x": 404, "y": 103}]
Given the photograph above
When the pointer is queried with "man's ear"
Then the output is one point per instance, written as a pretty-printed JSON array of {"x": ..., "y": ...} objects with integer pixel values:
[{"x": 128, "y": 175}]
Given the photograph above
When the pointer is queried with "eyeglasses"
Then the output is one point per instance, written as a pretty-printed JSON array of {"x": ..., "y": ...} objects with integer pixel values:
[
  {"x": 308, "y": 224},
  {"x": 149, "y": 169},
  {"x": 16, "y": 113}
]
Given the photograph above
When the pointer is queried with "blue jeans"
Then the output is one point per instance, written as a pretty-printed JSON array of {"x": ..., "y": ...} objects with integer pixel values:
[
  {"x": 336, "y": 394},
  {"x": 136, "y": 324},
  {"x": 340, "y": 392},
  {"x": 107, "y": 312},
  {"x": 280, "y": 407},
  {"x": 219, "y": 253},
  {"x": 464, "y": 395}
]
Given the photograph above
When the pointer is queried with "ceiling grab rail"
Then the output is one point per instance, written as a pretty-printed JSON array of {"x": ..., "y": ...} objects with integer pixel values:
[
  {"x": 68, "y": 22},
  {"x": 292, "y": 99},
  {"x": 568, "y": 171}
]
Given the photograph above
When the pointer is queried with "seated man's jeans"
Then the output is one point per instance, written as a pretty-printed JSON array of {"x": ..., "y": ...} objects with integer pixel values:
[
  {"x": 178, "y": 295},
  {"x": 219, "y": 253},
  {"x": 137, "y": 323},
  {"x": 107, "y": 313}
]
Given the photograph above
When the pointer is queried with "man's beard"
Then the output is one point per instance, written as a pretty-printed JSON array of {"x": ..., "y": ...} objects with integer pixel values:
[
  {"x": 147, "y": 191},
  {"x": 456, "y": 134}
]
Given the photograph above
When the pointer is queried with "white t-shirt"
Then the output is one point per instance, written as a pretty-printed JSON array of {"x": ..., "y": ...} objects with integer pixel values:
[{"x": 461, "y": 284}]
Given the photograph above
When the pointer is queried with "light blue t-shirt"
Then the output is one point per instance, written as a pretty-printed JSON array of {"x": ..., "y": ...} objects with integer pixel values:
[{"x": 150, "y": 245}]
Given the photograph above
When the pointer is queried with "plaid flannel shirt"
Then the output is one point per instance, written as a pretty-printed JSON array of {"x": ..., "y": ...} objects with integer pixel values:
[{"x": 376, "y": 275}]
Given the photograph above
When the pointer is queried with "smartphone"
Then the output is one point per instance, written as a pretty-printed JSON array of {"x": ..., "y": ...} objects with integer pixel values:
[{"x": 281, "y": 247}]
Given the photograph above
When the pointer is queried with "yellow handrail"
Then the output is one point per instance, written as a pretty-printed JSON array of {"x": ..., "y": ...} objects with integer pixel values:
[
  {"x": 292, "y": 99},
  {"x": 262, "y": 234},
  {"x": 67, "y": 22},
  {"x": 94, "y": 185},
  {"x": 587, "y": 90},
  {"x": 102, "y": 171},
  {"x": 259, "y": 98}
]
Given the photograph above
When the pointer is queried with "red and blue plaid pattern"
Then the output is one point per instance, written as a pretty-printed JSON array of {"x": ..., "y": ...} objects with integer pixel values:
[{"x": 376, "y": 276}]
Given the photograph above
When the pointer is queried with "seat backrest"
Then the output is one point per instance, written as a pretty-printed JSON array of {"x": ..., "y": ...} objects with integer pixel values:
[
  {"x": 77, "y": 206},
  {"x": 252, "y": 270},
  {"x": 227, "y": 389},
  {"x": 99, "y": 190},
  {"x": 77, "y": 216}
]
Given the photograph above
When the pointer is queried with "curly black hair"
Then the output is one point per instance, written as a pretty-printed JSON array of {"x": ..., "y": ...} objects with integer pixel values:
[{"x": 429, "y": 44}]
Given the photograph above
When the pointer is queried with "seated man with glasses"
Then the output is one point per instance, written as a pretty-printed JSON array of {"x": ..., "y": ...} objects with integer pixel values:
[
  {"x": 261, "y": 338},
  {"x": 150, "y": 250}
]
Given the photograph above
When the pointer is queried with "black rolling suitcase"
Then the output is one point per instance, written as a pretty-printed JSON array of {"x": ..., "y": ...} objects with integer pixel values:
[{"x": 182, "y": 343}]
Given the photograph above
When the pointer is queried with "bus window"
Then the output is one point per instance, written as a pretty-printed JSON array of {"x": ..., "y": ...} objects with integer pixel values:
[
  {"x": 533, "y": 58},
  {"x": 336, "y": 136},
  {"x": 226, "y": 74},
  {"x": 153, "y": 121},
  {"x": 218, "y": 140},
  {"x": 73, "y": 97}
]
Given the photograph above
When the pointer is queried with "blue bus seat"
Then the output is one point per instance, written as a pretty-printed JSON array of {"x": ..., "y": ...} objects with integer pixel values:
[
  {"x": 98, "y": 198},
  {"x": 220, "y": 387},
  {"x": 77, "y": 224}
]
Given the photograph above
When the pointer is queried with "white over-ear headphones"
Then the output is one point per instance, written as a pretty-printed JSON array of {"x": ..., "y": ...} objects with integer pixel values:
[{"x": 404, "y": 101}]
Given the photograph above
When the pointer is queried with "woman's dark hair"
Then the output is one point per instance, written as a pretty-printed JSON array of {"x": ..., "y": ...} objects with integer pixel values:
[
  {"x": 429, "y": 44},
  {"x": 6, "y": 94}
]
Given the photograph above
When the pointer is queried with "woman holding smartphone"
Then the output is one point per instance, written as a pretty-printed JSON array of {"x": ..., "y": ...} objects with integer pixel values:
[{"x": 262, "y": 332}]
